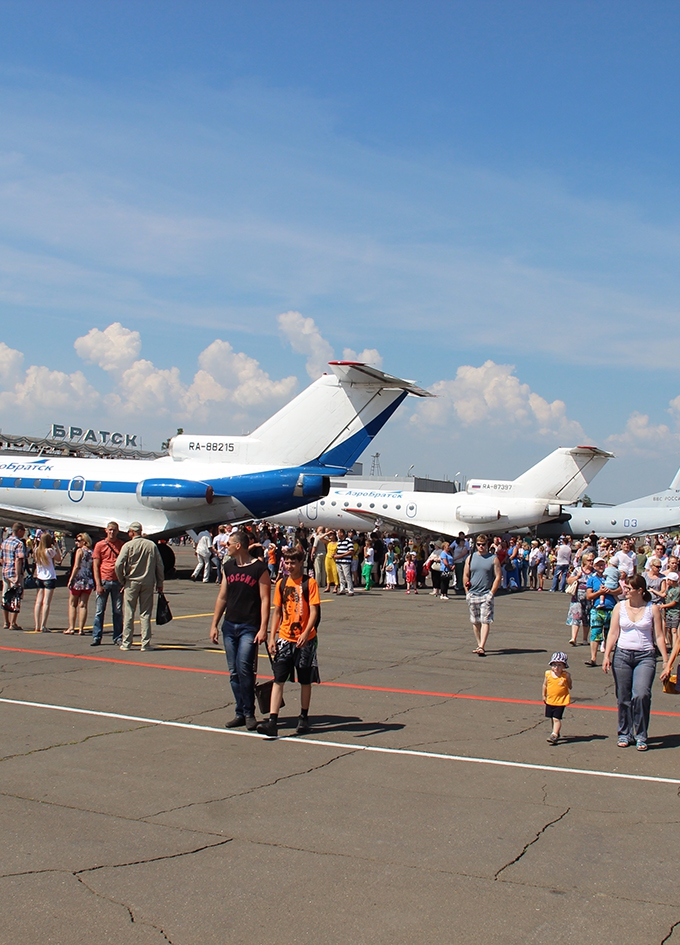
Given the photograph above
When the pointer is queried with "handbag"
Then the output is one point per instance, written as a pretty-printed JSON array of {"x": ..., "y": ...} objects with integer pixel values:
[
  {"x": 30, "y": 583},
  {"x": 163, "y": 612},
  {"x": 263, "y": 695},
  {"x": 263, "y": 692},
  {"x": 11, "y": 600},
  {"x": 670, "y": 685}
]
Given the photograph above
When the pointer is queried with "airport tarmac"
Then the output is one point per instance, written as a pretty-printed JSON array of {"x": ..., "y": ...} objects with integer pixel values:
[{"x": 426, "y": 806}]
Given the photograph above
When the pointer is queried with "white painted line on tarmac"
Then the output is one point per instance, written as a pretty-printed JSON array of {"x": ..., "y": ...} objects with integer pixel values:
[{"x": 375, "y": 749}]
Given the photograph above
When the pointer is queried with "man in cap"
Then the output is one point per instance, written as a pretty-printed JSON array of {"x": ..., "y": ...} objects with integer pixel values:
[{"x": 138, "y": 567}]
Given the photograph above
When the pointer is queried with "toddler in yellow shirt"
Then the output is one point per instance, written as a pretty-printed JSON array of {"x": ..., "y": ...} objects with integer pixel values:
[{"x": 556, "y": 689}]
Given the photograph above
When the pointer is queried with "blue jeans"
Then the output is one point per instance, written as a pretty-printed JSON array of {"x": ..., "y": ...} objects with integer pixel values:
[
  {"x": 239, "y": 645},
  {"x": 560, "y": 577},
  {"x": 112, "y": 589},
  {"x": 634, "y": 672}
]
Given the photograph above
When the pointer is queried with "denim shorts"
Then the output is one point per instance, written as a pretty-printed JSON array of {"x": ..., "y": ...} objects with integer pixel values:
[{"x": 48, "y": 585}]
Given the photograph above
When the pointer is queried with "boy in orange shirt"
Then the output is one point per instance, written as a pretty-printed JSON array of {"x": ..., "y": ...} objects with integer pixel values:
[{"x": 293, "y": 641}]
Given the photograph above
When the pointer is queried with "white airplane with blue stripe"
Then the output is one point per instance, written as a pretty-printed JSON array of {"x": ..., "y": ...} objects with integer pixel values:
[
  {"x": 491, "y": 505},
  {"x": 209, "y": 479}
]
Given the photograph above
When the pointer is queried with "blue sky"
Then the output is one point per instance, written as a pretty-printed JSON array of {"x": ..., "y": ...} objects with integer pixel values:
[{"x": 482, "y": 197}]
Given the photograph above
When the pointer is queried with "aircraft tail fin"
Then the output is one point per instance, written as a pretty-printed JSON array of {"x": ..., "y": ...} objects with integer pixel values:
[
  {"x": 675, "y": 484},
  {"x": 563, "y": 476},
  {"x": 333, "y": 421}
]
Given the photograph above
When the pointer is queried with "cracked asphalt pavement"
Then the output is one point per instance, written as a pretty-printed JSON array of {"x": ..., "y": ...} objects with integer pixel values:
[{"x": 121, "y": 831}]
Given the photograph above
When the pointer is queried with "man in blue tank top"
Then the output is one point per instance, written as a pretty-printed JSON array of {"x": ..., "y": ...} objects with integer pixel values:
[{"x": 482, "y": 578}]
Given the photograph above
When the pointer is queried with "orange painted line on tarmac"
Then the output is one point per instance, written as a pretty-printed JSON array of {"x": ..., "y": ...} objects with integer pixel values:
[
  {"x": 333, "y": 685},
  {"x": 119, "y": 660}
]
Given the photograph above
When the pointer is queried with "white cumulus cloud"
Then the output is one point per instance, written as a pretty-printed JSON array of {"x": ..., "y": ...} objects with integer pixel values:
[
  {"x": 368, "y": 356},
  {"x": 11, "y": 361},
  {"x": 113, "y": 349},
  {"x": 41, "y": 391},
  {"x": 241, "y": 376},
  {"x": 492, "y": 395},
  {"x": 305, "y": 338},
  {"x": 643, "y": 437},
  {"x": 229, "y": 388}
]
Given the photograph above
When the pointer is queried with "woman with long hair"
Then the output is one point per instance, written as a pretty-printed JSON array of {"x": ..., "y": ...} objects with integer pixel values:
[
  {"x": 636, "y": 626},
  {"x": 80, "y": 584},
  {"x": 46, "y": 555}
]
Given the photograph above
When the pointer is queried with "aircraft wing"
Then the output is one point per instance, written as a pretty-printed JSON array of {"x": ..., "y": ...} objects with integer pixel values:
[
  {"x": 404, "y": 527},
  {"x": 34, "y": 519}
]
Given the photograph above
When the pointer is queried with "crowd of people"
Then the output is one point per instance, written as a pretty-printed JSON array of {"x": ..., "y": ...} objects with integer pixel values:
[
  {"x": 124, "y": 572},
  {"x": 624, "y": 598}
]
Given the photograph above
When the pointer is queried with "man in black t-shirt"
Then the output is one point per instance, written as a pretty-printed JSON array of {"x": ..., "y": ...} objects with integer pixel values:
[{"x": 243, "y": 598}]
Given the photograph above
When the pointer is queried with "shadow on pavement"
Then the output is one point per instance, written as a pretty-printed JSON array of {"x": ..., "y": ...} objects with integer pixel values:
[
  {"x": 513, "y": 651},
  {"x": 582, "y": 738},
  {"x": 664, "y": 741},
  {"x": 343, "y": 723}
]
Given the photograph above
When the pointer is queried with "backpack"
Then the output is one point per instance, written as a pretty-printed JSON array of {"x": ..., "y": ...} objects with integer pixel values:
[{"x": 305, "y": 594}]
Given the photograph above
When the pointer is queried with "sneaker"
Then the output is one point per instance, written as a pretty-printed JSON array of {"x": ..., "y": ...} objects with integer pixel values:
[
  {"x": 443, "y": 597},
  {"x": 303, "y": 726},
  {"x": 96, "y": 643},
  {"x": 125, "y": 646},
  {"x": 237, "y": 722},
  {"x": 143, "y": 649},
  {"x": 117, "y": 641},
  {"x": 251, "y": 723},
  {"x": 268, "y": 728},
  {"x": 350, "y": 593},
  {"x": 433, "y": 593},
  {"x": 408, "y": 592},
  {"x": 552, "y": 738}
]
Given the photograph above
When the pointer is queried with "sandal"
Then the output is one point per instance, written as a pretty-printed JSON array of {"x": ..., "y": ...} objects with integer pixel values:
[
  {"x": 480, "y": 651},
  {"x": 69, "y": 631},
  {"x": 641, "y": 745},
  {"x": 591, "y": 662},
  {"x": 622, "y": 743}
]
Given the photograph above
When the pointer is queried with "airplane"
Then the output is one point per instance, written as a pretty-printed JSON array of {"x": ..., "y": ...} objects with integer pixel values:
[
  {"x": 488, "y": 505},
  {"x": 659, "y": 512},
  {"x": 210, "y": 479}
]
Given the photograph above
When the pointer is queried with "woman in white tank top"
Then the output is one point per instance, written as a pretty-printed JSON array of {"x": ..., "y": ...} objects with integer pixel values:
[{"x": 635, "y": 627}]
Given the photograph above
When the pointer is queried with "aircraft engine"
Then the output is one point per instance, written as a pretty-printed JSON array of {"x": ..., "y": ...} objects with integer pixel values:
[
  {"x": 309, "y": 484},
  {"x": 475, "y": 514},
  {"x": 553, "y": 511},
  {"x": 173, "y": 494}
]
